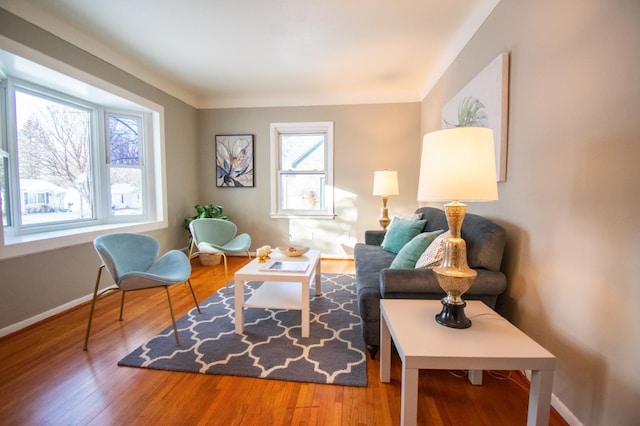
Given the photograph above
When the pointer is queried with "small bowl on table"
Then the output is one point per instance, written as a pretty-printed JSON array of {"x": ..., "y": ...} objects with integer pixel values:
[{"x": 292, "y": 250}]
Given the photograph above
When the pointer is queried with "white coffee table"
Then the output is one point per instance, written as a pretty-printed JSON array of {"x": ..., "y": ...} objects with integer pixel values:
[
  {"x": 280, "y": 290},
  {"x": 491, "y": 343}
]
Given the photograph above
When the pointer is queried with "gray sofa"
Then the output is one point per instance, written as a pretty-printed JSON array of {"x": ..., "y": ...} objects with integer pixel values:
[{"x": 375, "y": 280}]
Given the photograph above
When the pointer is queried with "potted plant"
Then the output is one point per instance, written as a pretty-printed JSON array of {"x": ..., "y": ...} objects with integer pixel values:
[{"x": 205, "y": 211}]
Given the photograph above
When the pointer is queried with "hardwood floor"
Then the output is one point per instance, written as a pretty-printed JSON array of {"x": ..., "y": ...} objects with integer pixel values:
[{"x": 46, "y": 377}]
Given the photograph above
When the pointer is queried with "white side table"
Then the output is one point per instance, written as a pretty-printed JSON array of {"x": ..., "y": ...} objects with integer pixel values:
[
  {"x": 283, "y": 290},
  {"x": 492, "y": 343}
]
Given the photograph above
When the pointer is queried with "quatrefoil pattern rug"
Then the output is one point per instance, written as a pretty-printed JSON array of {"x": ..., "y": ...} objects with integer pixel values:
[{"x": 271, "y": 346}]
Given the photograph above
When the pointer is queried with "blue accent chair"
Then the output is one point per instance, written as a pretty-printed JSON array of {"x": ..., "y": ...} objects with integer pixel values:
[
  {"x": 132, "y": 262},
  {"x": 218, "y": 236}
]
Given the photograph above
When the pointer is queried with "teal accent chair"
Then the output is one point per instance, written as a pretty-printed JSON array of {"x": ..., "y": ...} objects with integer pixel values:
[
  {"x": 218, "y": 236},
  {"x": 132, "y": 262}
]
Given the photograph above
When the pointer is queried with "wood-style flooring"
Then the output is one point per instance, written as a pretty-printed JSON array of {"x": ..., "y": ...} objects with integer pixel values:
[{"x": 47, "y": 379}]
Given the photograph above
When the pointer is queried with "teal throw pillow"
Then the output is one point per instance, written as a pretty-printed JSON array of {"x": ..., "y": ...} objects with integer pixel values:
[
  {"x": 408, "y": 217},
  {"x": 411, "y": 252},
  {"x": 400, "y": 233}
]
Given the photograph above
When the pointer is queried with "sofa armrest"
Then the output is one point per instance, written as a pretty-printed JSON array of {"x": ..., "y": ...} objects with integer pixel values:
[
  {"x": 374, "y": 238},
  {"x": 395, "y": 283}
]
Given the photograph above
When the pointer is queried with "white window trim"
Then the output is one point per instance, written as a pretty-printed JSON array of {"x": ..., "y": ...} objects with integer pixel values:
[
  {"x": 304, "y": 127},
  {"x": 17, "y": 246}
]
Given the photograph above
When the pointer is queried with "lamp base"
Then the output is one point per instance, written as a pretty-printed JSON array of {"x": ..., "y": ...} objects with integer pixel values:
[
  {"x": 384, "y": 220},
  {"x": 453, "y": 316}
]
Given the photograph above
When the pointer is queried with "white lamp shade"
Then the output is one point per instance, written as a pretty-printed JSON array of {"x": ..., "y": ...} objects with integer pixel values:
[
  {"x": 385, "y": 182},
  {"x": 458, "y": 164}
]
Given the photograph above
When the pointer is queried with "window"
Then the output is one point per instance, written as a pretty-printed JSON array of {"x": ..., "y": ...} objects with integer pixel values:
[
  {"x": 125, "y": 165},
  {"x": 74, "y": 159},
  {"x": 52, "y": 159},
  {"x": 302, "y": 170}
]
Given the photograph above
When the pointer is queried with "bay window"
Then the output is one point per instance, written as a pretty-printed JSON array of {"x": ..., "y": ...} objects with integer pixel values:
[{"x": 74, "y": 158}]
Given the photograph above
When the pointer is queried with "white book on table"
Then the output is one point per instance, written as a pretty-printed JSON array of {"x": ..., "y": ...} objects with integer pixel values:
[{"x": 285, "y": 266}]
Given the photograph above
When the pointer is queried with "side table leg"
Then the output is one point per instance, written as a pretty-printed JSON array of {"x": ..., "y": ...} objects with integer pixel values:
[
  {"x": 238, "y": 293},
  {"x": 540, "y": 397},
  {"x": 385, "y": 351},
  {"x": 475, "y": 377},
  {"x": 305, "y": 308},
  {"x": 409, "y": 396},
  {"x": 319, "y": 278}
]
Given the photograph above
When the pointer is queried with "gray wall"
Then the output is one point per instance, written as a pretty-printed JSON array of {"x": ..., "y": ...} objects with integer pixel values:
[
  {"x": 41, "y": 282},
  {"x": 366, "y": 138},
  {"x": 570, "y": 202}
]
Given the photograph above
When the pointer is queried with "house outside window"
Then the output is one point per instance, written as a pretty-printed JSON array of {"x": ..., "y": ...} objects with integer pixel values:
[{"x": 302, "y": 170}]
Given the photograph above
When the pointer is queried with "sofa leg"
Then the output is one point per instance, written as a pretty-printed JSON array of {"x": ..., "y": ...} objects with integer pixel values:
[{"x": 373, "y": 350}]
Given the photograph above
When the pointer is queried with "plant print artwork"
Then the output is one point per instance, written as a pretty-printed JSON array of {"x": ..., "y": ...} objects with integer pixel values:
[
  {"x": 471, "y": 113},
  {"x": 234, "y": 160},
  {"x": 483, "y": 102}
]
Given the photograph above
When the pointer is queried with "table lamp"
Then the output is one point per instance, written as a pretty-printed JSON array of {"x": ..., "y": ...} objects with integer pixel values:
[
  {"x": 385, "y": 183},
  {"x": 457, "y": 164}
]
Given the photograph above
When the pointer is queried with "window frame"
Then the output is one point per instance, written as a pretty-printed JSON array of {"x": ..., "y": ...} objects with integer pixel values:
[
  {"x": 108, "y": 97},
  {"x": 278, "y": 129}
]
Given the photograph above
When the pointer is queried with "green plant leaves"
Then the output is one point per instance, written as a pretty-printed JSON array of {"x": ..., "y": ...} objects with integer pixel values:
[{"x": 205, "y": 211}]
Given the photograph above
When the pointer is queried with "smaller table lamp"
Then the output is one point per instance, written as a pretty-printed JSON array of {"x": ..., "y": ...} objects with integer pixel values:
[
  {"x": 385, "y": 183},
  {"x": 457, "y": 164}
]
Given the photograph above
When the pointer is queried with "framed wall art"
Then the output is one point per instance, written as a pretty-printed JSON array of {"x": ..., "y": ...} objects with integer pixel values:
[
  {"x": 484, "y": 102},
  {"x": 234, "y": 161}
]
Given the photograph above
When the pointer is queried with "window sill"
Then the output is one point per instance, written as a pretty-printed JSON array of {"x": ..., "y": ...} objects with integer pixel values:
[{"x": 24, "y": 245}]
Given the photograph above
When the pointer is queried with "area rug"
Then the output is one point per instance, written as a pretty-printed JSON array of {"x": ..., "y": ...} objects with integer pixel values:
[{"x": 271, "y": 345}]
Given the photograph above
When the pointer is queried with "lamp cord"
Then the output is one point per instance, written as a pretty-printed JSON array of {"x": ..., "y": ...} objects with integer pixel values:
[{"x": 461, "y": 374}]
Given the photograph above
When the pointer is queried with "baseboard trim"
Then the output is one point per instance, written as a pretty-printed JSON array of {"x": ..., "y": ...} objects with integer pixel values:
[{"x": 45, "y": 315}]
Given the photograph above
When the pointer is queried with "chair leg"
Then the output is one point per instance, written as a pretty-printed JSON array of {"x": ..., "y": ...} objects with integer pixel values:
[
  {"x": 121, "y": 305},
  {"x": 194, "y": 295},
  {"x": 191, "y": 249},
  {"x": 249, "y": 254},
  {"x": 93, "y": 306},
  {"x": 226, "y": 274},
  {"x": 173, "y": 318}
]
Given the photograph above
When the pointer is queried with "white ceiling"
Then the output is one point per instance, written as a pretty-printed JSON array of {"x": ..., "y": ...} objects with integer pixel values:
[{"x": 245, "y": 53}]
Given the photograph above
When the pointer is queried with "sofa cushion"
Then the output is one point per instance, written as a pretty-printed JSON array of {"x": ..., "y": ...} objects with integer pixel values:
[
  {"x": 411, "y": 217},
  {"x": 400, "y": 233},
  {"x": 485, "y": 239},
  {"x": 370, "y": 258},
  {"x": 433, "y": 255},
  {"x": 411, "y": 252}
]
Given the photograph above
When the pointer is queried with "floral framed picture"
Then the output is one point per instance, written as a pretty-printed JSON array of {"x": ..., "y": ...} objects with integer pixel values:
[{"x": 234, "y": 161}]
